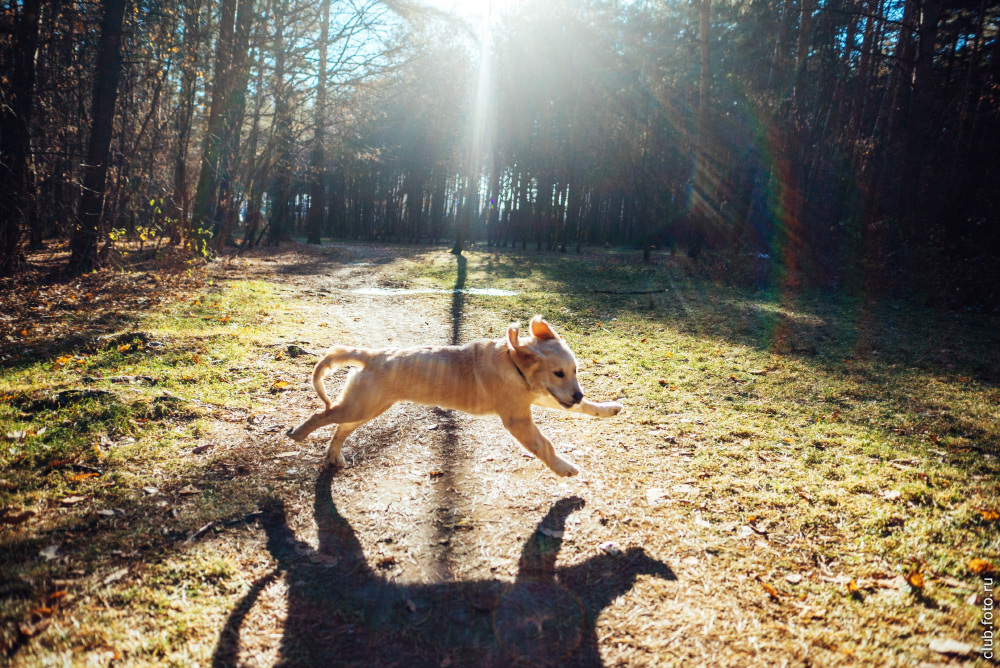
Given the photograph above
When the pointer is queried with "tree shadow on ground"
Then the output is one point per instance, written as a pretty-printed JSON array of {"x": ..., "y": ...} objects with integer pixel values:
[{"x": 342, "y": 611}]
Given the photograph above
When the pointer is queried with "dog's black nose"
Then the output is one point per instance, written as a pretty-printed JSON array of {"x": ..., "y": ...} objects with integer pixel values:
[{"x": 577, "y": 397}]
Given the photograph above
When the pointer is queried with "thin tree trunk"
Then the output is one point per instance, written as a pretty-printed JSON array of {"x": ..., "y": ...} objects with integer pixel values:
[
  {"x": 802, "y": 52},
  {"x": 206, "y": 194},
  {"x": 317, "y": 173},
  {"x": 279, "y": 216},
  {"x": 16, "y": 193},
  {"x": 83, "y": 243},
  {"x": 235, "y": 106},
  {"x": 180, "y": 229},
  {"x": 699, "y": 204}
]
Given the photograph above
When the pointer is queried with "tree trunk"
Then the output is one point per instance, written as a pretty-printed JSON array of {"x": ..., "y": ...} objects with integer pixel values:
[
  {"x": 802, "y": 52},
  {"x": 464, "y": 217},
  {"x": 16, "y": 195},
  {"x": 206, "y": 194},
  {"x": 922, "y": 116},
  {"x": 317, "y": 173},
  {"x": 279, "y": 215},
  {"x": 699, "y": 203},
  {"x": 180, "y": 206},
  {"x": 235, "y": 106},
  {"x": 83, "y": 243}
]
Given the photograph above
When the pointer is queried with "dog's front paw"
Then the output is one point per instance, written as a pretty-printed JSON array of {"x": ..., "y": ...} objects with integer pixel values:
[
  {"x": 564, "y": 468},
  {"x": 611, "y": 408}
]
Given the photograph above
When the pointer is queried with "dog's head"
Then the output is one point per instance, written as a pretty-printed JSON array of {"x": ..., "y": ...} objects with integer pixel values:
[{"x": 546, "y": 361}]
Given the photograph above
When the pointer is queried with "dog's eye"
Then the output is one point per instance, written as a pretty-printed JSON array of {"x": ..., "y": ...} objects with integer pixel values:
[{"x": 559, "y": 374}]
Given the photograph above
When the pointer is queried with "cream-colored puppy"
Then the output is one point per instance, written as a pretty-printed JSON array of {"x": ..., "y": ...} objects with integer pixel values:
[{"x": 503, "y": 376}]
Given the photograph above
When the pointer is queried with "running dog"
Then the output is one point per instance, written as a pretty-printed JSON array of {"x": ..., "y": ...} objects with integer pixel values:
[{"x": 503, "y": 377}]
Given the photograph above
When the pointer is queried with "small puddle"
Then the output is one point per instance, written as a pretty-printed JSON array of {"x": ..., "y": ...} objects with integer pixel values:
[{"x": 486, "y": 292}]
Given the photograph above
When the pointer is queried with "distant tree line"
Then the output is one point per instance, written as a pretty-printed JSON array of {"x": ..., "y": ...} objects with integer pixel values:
[{"x": 845, "y": 140}]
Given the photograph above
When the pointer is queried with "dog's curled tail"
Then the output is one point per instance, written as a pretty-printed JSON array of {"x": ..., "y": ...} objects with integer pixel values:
[{"x": 336, "y": 356}]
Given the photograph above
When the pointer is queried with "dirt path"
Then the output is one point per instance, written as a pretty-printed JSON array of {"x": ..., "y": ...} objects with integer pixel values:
[{"x": 415, "y": 548}]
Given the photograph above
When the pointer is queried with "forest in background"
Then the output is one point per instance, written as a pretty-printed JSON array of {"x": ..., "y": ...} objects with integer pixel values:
[{"x": 846, "y": 143}]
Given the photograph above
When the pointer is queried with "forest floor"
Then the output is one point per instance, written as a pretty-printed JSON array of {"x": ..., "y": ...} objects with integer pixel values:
[{"x": 795, "y": 480}]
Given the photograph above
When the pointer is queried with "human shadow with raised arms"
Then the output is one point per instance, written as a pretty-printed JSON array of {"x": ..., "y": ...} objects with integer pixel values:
[{"x": 341, "y": 611}]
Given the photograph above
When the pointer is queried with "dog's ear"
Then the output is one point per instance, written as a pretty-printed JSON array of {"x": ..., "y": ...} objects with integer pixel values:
[
  {"x": 512, "y": 332},
  {"x": 541, "y": 330}
]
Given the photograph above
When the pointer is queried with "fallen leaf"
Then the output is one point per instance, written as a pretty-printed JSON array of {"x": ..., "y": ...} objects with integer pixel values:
[
  {"x": 29, "y": 630},
  {"x": 915, "y": 578},
  {"x": 891, "y": 494},
  {"x": 794, "y": 578},
  {"x": 771, "y": 591},
  {"x": 325, "y": 559},
  {"x": 757, "y": 372},
  {"x": 106, "y": 513},
  {"x": 49, "y": 552},
  {"x": 202, "y": 448},
  {"x": 853, "y": 589},
  {"x": 117, "y": 575},
  {"x": 989, "y": 515},
  {"x": 949, "y": 581},
  {"x": 552, "y": 533},
  {"x": 152, "y": 491},
  {"x": 286, "y": 455},
  {"x": 949, "y": 646},
  {"x": 200, "y": 532},
  {"x": 981, "y": 567},
  {"x": 279, "y": 385},
  {"x": 662, "y": 381},
  {"x": 810, "y": 610},
  {"x": 9, "y": 516},
  {"x": 655, "y": 495},
  {"x": 72, "y": 500},
  {"x": 82, "y": 476},
  {"x": 610, "y": 548},
  {"x": 189, "y": 489}
]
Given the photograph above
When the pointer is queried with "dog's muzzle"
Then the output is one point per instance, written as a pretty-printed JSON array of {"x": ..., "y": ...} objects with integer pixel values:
[{"x": 577, "y": 398}]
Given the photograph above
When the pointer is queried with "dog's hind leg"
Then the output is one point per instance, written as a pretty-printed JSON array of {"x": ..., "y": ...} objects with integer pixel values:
[
  {"x": 339, "y": 413},
  {"x": 528, "y": 434},
  {"x": 356, "y": 403},
  {"x": 333, "y": 457}
]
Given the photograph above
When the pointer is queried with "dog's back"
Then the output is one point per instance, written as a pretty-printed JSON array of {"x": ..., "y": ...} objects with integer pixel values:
[{"x": 471, "y": 378}]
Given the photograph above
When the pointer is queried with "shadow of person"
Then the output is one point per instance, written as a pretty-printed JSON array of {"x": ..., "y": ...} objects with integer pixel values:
[{"x": 341, "y": 612}]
